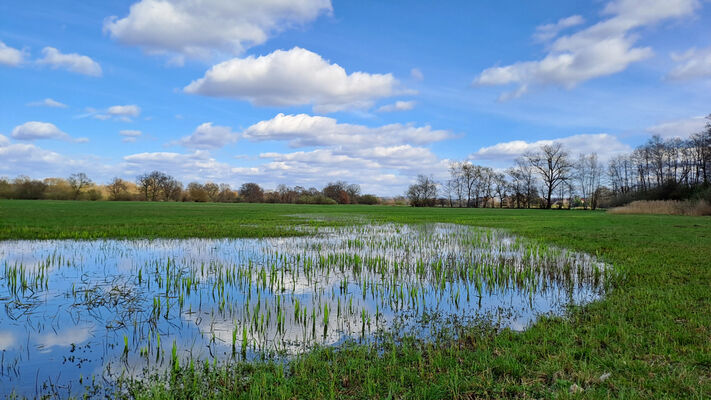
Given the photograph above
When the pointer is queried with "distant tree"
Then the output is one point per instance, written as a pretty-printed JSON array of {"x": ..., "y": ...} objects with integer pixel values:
[
  {"x": 171, "y": 189},
  {"x": 353, "y": 191},
  {"x": 58, "y": 189},
  {"x": 226, "y": 195},
  {"x": 553, "y": 165},
  {"x": 26, "y": 188},
  {"x": 337, "y": 191},
  {"x": 212, "y": 190},
  {"x": 523, "y": 183},
  {"x": 422, "y": 193},
  {"x": 501, "y": 186},
  {"x": 369, "y": 199},
  {"x": 7, "y": 191},
  {"x": 587, "y": 173},
  {"x": 251, "y": 193},
  {"x": 158, "y": 185},
  {"x": 78, "y": 182},
  {"x": 197, "y": 192},
  {"x": 149, "y": 185},
  {"x": 118, "y": 189}
]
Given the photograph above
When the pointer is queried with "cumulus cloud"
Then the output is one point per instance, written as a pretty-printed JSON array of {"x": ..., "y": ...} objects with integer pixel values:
[
  {"x": 549, "y": 31},
  {"x": 605, "y": 48},
  {"x": 605, "y": 145},
  {"x": 48, "y": 103},
  {"x": 680, "y": 128},
  {"x": 130, "y": 135},
  {"x": 72, "y": 62},
  {"x": 21, "y": 158},
  {"x": 304, "y": 130},
  {"x": 208, "y": 136},
  {"x": 691, "y": 64},
  {"x": 294, "y": 77},
  {"x": 34, "y": 130},
  {"x": 385, "y": 158},
  {"x": 397, "y": 106},
  {"x": 198, "y": 29},
  {"x": 417, "y": 74},
  {"x": 10, "y": 56},
  {"x": 4, "y": 141}
]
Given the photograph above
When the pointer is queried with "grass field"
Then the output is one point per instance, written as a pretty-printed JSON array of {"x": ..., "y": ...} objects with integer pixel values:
[{"x": 651, "y": 334}]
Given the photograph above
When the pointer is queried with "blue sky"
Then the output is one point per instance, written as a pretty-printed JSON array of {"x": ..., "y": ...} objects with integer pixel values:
[{"x": 311, "y": 91}]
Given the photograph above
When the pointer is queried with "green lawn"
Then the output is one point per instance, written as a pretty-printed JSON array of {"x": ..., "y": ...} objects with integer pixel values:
[{"x": 652, "y": 333}]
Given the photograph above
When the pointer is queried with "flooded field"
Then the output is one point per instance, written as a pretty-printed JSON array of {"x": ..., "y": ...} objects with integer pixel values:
[{"x": 82, "y": 313}]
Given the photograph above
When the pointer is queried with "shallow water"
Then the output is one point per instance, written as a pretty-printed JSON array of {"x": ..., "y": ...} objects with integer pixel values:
[{"x": 77, "y": 312}]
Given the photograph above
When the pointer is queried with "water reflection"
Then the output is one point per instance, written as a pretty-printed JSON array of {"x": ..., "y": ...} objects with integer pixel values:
[{"x": 77, "y": 309}]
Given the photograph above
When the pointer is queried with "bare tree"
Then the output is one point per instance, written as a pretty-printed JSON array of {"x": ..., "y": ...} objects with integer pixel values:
[
  {"x": 523, "y": 183},
  {"x": 197, "y": 192},
  {"x": 251, "y": 192},
  {"x": 423, "y": 193},
  {"x": 501, "y": 187},
  {"x": 552, "y": 164},
  {"x": 212, "y": 190},
  {"x": 78, "y": 182},
  {"x": 118, "y": 189},
  {"x": 587, "y": 172}
]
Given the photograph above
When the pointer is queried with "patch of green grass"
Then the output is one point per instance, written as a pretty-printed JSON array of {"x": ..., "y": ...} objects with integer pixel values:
[{"x": 651, "y": 333}]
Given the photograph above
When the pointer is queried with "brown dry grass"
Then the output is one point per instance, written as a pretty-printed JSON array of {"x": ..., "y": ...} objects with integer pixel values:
[{"x": 670, "y": 207}]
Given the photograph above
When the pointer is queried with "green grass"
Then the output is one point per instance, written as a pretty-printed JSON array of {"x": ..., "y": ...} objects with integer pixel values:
[{"x": 652, "y": 332}]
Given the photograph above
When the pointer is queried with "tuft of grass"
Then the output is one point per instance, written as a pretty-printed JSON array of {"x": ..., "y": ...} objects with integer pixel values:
[{"x": 667, "y": 207}]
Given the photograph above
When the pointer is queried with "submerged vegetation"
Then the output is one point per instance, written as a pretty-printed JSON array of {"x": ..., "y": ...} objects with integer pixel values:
[
  {"x": 647, "y": 337},
  {"x": 270, "y": 298}
]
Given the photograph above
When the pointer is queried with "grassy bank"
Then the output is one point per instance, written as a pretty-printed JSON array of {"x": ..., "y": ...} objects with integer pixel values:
[{"x": 651, "y": 334}]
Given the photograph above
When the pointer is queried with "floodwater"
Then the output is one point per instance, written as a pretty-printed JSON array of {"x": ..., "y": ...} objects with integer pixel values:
[{"x": 81, "y": 313}]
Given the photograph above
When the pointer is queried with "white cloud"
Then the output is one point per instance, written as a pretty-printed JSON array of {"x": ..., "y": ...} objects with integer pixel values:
[
  {"x": 549, "y": 31},
  {"x": 605, "y": 145},
  {"x": 73, "y": 62},
  {"x": 130, "y": 110},
  {"x": 120, "y": 112},
  {"x": 22, "y": 158},
  {"x": 680, "y": 128},
  {"x": 4, "y": 141},
  {"x": 692, "y": 64},
  {"x": 417, "y": 74},
  {"x": 304, "y": 130},
  {"x": 602, "y": 49},
  {"x": 48, "y": 103},
  {"x": 10, "y": 56},
  {"x": 33, "y": 130},
  {"x": 294, "y": 77},
  {"x": 397, "y": 106},
  {"x": 198, "y": 29},
  {"x": 130, "y": 135},
  {"x": 208, "y": 136}
]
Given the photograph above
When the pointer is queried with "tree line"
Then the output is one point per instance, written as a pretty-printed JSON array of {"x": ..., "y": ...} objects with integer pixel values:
[
  {"x": 159, "y": 186},
  {"x": 548, "y": 177}
]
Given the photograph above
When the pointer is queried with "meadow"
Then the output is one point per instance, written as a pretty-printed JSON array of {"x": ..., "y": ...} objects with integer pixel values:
[{"x": 649, "y": 336}]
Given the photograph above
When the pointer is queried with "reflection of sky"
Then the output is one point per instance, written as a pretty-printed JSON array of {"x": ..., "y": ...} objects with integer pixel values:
[
  {"x": 7, "y": 340},
  {"x": 63, "y": 338},
  {"x": 94, "y": 299}
]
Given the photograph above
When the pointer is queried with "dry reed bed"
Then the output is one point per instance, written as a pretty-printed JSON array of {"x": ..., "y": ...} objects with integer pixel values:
[{"x": 669, "y": 207}]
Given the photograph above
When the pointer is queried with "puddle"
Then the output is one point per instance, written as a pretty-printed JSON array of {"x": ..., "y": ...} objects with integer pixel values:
[{"x": 77, "y": 311}]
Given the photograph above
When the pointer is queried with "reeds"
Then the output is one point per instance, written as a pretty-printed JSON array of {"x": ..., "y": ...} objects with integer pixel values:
[{"x": 668, "y": 207}]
